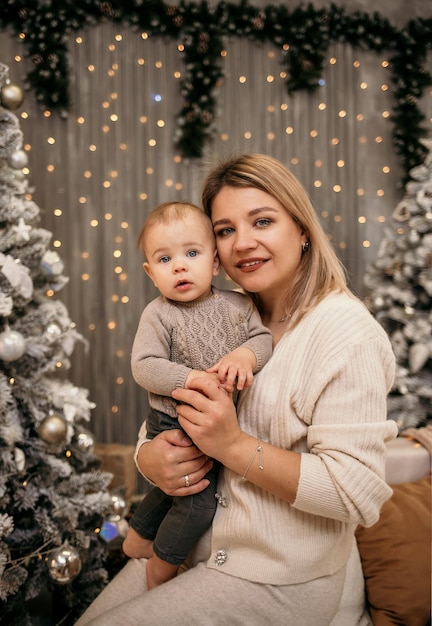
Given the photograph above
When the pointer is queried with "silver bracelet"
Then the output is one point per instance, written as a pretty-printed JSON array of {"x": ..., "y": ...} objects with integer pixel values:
[{"x": 258, "y": 450}]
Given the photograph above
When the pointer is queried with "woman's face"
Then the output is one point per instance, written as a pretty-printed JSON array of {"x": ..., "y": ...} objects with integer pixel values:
[{"x": 259, "y": 243}]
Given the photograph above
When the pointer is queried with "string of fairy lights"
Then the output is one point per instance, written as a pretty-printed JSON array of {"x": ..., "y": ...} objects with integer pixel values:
[
  {"x": 125, "y": 163},
  {"x": 302, "y": 33}
]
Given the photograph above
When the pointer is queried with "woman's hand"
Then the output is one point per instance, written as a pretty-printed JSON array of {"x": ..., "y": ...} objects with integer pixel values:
[
  {"x": 210, "y": 419},
  {"x": 208, "y": 416},
  {"x": 171, "y": 457}
]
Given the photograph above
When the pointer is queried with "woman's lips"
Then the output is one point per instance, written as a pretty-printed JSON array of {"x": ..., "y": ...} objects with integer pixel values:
[{"x": 250, "y": 265}]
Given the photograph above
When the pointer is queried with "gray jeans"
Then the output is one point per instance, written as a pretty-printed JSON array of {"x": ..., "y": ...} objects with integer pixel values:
[{"x": 174, "y": 523}]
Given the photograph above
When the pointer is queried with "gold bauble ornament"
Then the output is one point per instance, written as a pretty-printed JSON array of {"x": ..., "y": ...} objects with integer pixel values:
[
  {"x": 64, "y": 564},
  {"x": 53, "y": 429},
  {"x": 11, "y": 96}
]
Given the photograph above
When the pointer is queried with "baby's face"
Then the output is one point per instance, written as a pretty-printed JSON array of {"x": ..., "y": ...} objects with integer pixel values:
[{"x": 181, "y": 259}]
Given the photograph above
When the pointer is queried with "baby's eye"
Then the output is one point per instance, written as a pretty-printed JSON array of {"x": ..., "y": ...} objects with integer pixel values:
[
  {"x": 192, "y": 253},
  {"x": 164, "y": 259}
]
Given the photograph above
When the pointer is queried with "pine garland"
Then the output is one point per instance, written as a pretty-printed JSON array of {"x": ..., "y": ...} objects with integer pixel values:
[{"x": 303, "y": 36}]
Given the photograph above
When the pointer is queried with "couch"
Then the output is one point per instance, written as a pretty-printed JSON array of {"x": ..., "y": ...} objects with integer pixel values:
[{"x": 389, "y": 571}]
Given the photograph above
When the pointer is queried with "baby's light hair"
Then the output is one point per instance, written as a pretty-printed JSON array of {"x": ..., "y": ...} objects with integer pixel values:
[{"x": 169, "y": 212}]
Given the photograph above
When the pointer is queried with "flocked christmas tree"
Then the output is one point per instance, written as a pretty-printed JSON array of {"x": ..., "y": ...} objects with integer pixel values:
[
  {"x": 400, "y": 283},
  {"x": 53, "y": 496}
]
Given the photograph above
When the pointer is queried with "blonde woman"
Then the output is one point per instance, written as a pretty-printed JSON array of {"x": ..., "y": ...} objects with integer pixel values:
[{"x": 303, "y": 453}]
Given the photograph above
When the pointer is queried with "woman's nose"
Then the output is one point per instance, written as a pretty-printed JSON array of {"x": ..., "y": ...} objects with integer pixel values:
[{"x": 244, "y": 240}]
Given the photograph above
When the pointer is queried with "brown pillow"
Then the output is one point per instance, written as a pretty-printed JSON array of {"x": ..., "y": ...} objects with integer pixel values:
[{"x": 396, "y": 557}]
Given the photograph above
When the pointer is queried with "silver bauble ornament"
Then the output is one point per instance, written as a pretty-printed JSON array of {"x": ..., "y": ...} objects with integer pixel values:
[
  {"x": 64, "y": 564},
  {"x": 53, "y": 429},
  {"x": 117, "y": 509},
  {"x": 18, "y": 159},
  {"x": 85, "y": 441},
  {"x": 12, "y": 345},
  {"x": 11, "y": 96}
]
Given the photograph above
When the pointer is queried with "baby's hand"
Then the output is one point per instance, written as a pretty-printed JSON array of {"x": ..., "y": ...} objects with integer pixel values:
[
  {"x": 238, "y": 366},
  {"x": 199, "y": 374}
]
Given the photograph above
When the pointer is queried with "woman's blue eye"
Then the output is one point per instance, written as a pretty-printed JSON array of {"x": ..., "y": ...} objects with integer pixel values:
[
  {"x": 263, "y": 221},
  {"x": 192, "y": 253},
  {"x": 223, "y": 232}
]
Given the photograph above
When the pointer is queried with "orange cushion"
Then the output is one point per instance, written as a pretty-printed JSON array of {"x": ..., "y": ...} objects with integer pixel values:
[{"x": 396, "y": 557}]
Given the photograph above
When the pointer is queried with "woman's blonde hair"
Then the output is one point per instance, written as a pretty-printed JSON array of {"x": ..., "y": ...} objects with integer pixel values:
[{"x": 320, "y": 271}]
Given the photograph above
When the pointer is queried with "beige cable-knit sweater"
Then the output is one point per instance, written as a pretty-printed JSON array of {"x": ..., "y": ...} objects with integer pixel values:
[
  {"x": 323, "y": 394},
  {"x": 175, "y": 337}
]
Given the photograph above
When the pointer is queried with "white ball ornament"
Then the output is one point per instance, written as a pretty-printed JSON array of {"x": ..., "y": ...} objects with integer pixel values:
[
  {"x": 53, "y": 429},
  {"x": 12, "y": 345},
  {"x": 18, "y": 159},
  {"x": 64, "y": 564}
]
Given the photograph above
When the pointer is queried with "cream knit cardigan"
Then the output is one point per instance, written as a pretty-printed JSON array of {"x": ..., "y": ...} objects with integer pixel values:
[{"x": 323, "y": 394}]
